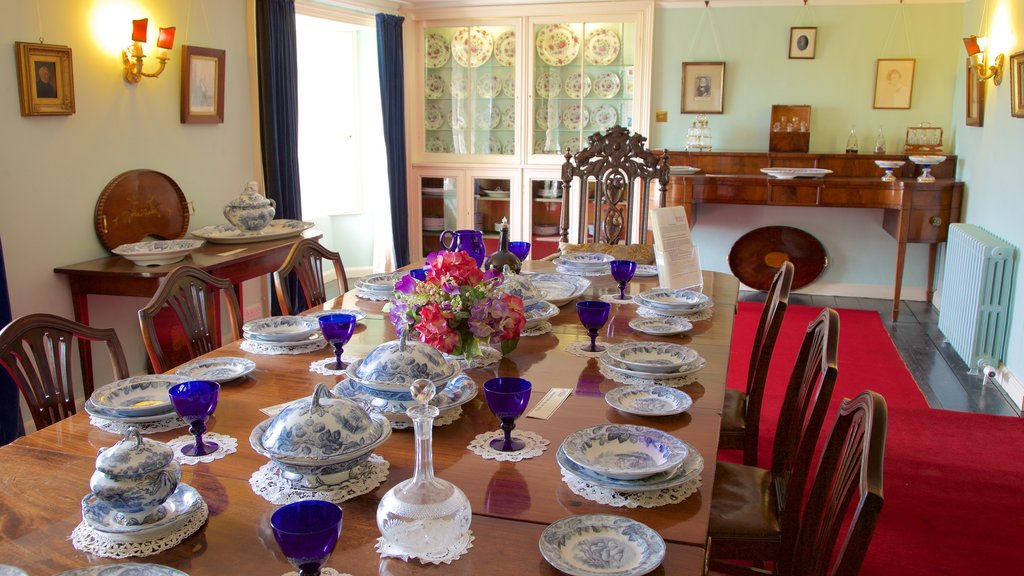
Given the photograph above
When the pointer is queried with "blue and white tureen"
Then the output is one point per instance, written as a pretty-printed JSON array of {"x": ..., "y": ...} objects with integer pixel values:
[
  {"x": 134, "y": 477},
  {"x": 390, "y": 368},
  {"x": 320, "y": 440},
  {"x": 519, "y": 285}
]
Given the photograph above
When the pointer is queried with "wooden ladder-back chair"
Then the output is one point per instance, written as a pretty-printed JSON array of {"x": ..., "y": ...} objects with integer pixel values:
[
  {"x": 306, "y": 260},
  {"x": 741, "y": 415},
  {"x": 747, "y": 502},
  {"x": 192, "y": 295},
  {"x": 620, "y": 170},
  {"x": 37, "y": 350}
]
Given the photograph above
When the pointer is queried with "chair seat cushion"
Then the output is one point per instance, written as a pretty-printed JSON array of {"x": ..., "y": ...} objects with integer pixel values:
[
  {"x": 639, "y": 253},
  {"x": 734, "y": 413},
  {"x": 743, "y": 504}
]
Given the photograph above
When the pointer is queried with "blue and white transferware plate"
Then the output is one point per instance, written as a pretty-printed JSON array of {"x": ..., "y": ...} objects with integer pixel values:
[
  {"x": 184, "y": 501},
  {"x": 158, "y": 252},
  {"x": 601, "y": 545},
  {"x": 696, "y": 366},
  {"x": 125, "y": 569},
  {"x": 691, "y": 467},
  {"x": 586, "y": 259},
  {"x": 625, "y": 451},
  {"x": 384, "y": 282},
  {"x": 660, "y": 326},
  {"x": 559, "y": 289},
  {"x": 315, "y": 315},
  {"x": 539, "y": 312},
  {"x": 222, "y": 369},
  {"x": 672, "y": 299},
  {"x": 112, "y": 416},
  {"x": 137, "y": 396},
  {"x": 313, "y": 339},
  {"x": 280, "y": 329},
  {"x": 8, "y": 570},
  {"x": 649, "y": 400},
  {"x": 228, "y": 234},
  {"x": 652, "y": 356},
  {"x": 646, "y": 270}
]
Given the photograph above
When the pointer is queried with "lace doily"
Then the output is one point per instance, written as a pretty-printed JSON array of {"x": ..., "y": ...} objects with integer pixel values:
[
  {"x": 582, "y": 349},
  {"x": 368, "y": 295},
  {"x": 323, "y": 572},
  {"x": 225, "y": 445},
  {"x": 326, "y": 365},
  {"x": 153, "y": 427},
  {"x": 488, "y": 356},
  {"x": 443, "y": 419},
  {"x": 542, "y": 328},
  {"x": 535, "y": 446},
  {"x": 86, "y": 539},
  {"x": 270, "y": 483},
  {"x": 577, "y": 272},
  {"x": 614, "y": 299},
  {"x": 647, "y": 312},
  {"x": 254, "y": 347},
  {"x": 636, "y": 381},
  {"x": 447, "y": 556},
  {"x": 650, "y": 499}
]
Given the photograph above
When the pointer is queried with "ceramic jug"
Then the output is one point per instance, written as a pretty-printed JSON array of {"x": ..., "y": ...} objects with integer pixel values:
[
  {"x": 250, "y": 212},
  {"x": 470, "y": 241},
  {"x": 135, "y": 476}
]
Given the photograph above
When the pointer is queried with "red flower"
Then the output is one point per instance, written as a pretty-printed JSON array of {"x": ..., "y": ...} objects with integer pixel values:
[
  {"x": 434, "y": 330},
  {"x": 459, "y": 266}
]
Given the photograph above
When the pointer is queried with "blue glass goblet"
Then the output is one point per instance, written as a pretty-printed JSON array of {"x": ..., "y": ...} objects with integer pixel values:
[
  {"x": 507, "y": 397},
  {"x": 622, "y": 271},
  {"x": 520, "y": 248},
  {"x": 195, "y": 402},
  {"x": 307, "y": 532},
  {"x": 593, "y": 314},
  {"x": 418, "y": 273},
  {"x": 337, "y": 329}
]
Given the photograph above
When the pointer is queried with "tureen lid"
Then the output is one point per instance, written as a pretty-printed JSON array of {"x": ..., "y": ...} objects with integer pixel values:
[
  {"x": 133, "y": 455},
  {"x": 519, "y": 285},
  {"x": 250, "y": 197},
  {"x": 400, "y": 363},
  {"x": 321, "y": 426}
]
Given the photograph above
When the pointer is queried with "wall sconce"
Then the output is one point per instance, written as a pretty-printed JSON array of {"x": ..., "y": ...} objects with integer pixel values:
[
  {"x": 977, "y": 49},
  {"x": 133, "y": 55}
]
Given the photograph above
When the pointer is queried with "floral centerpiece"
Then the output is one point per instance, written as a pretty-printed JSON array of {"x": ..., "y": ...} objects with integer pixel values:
[{"x": 458, "y": 307}]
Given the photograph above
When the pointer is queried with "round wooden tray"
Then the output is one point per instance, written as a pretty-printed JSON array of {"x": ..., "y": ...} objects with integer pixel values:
[
  {"x": 140, "y": 203},
  {"x": 757, "y": 255}
]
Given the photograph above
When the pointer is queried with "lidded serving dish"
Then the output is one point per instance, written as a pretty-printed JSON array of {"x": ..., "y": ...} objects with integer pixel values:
[
  {"x": 390, "y": 368},
  {"x": 250, "y": 211},
  {"x": 135, "y": 476},
  {"x": 519, "y": 285}
]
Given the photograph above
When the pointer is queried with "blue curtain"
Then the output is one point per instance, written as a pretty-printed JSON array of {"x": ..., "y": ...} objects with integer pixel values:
[
  {"x": 11, "y": 426},
  {"x": 279, "y": 115},
  {"x": 392, "y": 100}
]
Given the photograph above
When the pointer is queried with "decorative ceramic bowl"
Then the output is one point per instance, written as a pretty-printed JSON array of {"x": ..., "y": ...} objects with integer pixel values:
[
  {"x": 522, "y": 286},
  {"x": 250, "y": 211},
  {"x": 559, "y": 289},
  {"x": 390, "y": 368},
  {"x": 625, "y": 451},
  {"x": 158, "y": 252},
  {"x": 539, "y": 312},
  {"x": 653, "y": 356},
  {"x": 137, "y": 395},
  {"x": 134, "y": 477}
]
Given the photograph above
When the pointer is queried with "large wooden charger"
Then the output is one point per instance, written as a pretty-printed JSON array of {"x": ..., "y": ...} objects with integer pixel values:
[
  {"x": 758, "y": 254},
  {"x": 140, "y": 203}
]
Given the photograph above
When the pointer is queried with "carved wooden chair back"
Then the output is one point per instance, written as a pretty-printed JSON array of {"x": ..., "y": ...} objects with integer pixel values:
[
  {"x": 619, "y": 169},
  {"x": 38, "y": 351},
  {"x": 306, "y": 260},
  {"x": 192, "y": 295}
]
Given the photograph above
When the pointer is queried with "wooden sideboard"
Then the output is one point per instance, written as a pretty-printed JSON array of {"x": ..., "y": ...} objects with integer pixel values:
[{"x": 914, "y": 212}]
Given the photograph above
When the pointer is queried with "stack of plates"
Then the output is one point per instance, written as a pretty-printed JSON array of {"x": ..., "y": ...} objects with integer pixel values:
[
  {"x": 559, "y": 289},
  {"x": 545, "y": 230},
  {"x": 674, "y": 302},
  {"x": 283, "y": 331},
  {"x": 584, "y": 263},
  {"x": 378, "y": 286},
  {"x": 652, "y": 360},
  {"x": 221, "y": 369},
  {"x": 135, "y": 400},
  {"x": 539, "y": 312},
  {"x": 433, "y": 224},
  {"x": 183, "y": 503}
]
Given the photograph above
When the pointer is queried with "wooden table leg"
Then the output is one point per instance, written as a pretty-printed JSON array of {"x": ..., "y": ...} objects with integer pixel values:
[{"x": 901, "y": 253}]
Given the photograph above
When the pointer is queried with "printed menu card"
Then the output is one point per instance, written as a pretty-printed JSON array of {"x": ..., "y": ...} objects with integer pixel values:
[{"x": 677, "y": 258}]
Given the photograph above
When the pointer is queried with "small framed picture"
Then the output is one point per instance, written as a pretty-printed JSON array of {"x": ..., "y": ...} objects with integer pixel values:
[
  {"x": 975, "y": 96},
  {"x": 802, "y": 42},
  {"x": 703, "y": 90},
  {"x": 894, "y": 83},
  {"x": 1017, "y": 85},
  {"x": 202, "y": 85},
  {"x": 46, "y": 83}
]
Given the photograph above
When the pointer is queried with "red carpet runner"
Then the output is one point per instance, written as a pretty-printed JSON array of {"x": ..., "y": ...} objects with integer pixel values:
[{"x": 953, "y": 481}]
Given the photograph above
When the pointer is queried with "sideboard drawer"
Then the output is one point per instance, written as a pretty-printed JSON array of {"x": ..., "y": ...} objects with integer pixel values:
[
  {"x": 792, "y": 195},
  {"x": 929, "y": 226},
  {"x": 729, "y": 192}
]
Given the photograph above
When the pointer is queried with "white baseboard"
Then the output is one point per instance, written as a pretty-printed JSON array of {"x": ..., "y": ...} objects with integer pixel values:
[
  {"x": 1008, "y": 381},
  {"x": 858, "y": 291}
]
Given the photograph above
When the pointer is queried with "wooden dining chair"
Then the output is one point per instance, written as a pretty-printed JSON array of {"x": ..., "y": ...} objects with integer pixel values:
[
  {"x": 741, "y": 413},
  {"x": 306, "y": 260},
  {"x": 829, "y": 534},
  {"x": 38, "y": 351},
  {"x": 620, "y": 170},
  {"x": 747, "y": 502},
  {"x": 191, "y": 294}
]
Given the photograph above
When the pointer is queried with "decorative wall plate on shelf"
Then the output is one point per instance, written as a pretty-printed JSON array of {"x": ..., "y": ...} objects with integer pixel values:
[
  {"x": 472, "y": 47},
  {"x": 601, "y": 47},
  {"x": 436, "y": 51},
  {"x": 505, "y": 48},
  {"x": 557, "y": 44}
]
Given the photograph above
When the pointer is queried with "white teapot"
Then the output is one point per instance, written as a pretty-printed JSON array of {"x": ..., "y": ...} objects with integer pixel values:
[
  {"x": 251, "y": 211},
  {"x": 135, "y": 476}
]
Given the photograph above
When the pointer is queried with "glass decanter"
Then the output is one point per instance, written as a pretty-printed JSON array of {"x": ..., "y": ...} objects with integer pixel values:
[
  {"x": 424, "y": 515},
  {"x": 851, "y": 141},
  {"x": 880, "y": 142}
]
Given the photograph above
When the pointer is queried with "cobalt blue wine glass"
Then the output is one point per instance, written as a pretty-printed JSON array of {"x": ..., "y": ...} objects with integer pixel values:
[
  {"x": 520, "y": 248},
  {"x": 307, "y": 532},
  {"x": 622, "y": 271},
  {"x": 593, "y": 314},
  {"x": 195, "y": 402},
  {"x": 418, "y": 273},
  {"x": 337, "y": 329},
  {"x": 507, "y": 398}
]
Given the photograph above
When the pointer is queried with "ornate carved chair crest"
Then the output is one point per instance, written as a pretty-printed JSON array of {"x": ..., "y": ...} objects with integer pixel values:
[{"x": 615, "y": 173}]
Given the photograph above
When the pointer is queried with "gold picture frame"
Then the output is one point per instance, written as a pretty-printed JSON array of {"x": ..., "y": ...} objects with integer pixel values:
[
  {"x": 202, "y": 85},
  {"x": 802, "y": 42},
  {"x": 894, "y": 83},
  {"x": 703, "y": 89},
  {"x": 975, "y": 100},
  {"x": 1017, "y": 85},
  {"x": 923, "y": 139},
  {"x": 46, "y": 82}
]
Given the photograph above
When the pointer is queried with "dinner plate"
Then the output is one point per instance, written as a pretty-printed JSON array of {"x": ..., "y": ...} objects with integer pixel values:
[
  {"x": 601, "y": 47},
  {"x": 578, "y": 84},
  {"x": 383, "y": 282},
  {"x": 540, "y": 312},
  {"x": 436, "y": 52},
  {"x": 93, "y": 410},
  {"x": 280, "y": 329},
  {"x": 548, "y": 84},
  {"x": 649, "y": 400},
  {"x": 691, "y": 467},
  {"x": 158, "y": 252},
  {"x": 184, "y": 501},
  {"x": 614, "y": 366},
  {"x": 682, "y": 170},
  {"x": 228, "y": 234},
  {"x": 472, "y": 47},
  {"x": 661, "y": 326},
  {"x": 221, "y": 369},
  {"x": 557, "y": 44},
  {"x": 605, "y": 116},
  {"x": 789, "y": 173},
  {"x": 575, "y": 116},
  {"x": 547, "y": 117},
  {"x": 124, "y": 569},
  {"x": 433, "y": 116},
  {"x": 672, "y": 298},
  {"x": 137, "y": 396},
  {"x": 586, "y": 258},
  {"x": 625, "y": 451},
  {"x": 646, "y": 270},
  {"x": 601, "y": 545},
  {"x": 314, "y": 338},
  {"x": 505, "y": 48},
  {"x": 559, "y": 289},
  {"x": 660, "y": 357},
  {"x": 316, "y": 314},
  {"x": 607, "y": 84}
]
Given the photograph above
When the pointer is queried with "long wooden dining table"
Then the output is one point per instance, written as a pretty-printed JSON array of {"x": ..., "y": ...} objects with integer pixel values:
[{"x": 45, "y": 475}]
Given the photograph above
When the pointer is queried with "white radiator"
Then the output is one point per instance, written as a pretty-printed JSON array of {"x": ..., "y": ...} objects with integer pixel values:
[{"x": 977, "y": 282}]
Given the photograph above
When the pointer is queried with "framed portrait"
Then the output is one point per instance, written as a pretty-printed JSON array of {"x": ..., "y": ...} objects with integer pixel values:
[
  {"x": 703, "y": 90},
  {"x": 1017, "y": 85},
  {"x": 975, "y": 96},
  {"x": 894, "y": 83},
  {"x": 46, "y": 83},
  {"x": 802, "y": 42},
  {"x": 202, "y": 85}
]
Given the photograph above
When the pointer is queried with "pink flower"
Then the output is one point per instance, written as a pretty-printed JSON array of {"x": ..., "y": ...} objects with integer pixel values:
[
  {"x": 434, "y": 330},
  {"x": 512, "y": 324},
  {"x": 459, "y": 266}
]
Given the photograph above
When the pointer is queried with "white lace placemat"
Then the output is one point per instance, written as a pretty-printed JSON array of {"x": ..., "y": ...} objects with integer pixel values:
[
  {"x": 647, "y": 312},
  {"x": 225, "y": 445},
  {"x": 614, "y": 299},
  {"x": 153, "y": 427},
  {"x": 326, "y": 365},
  {"x": 448, "y": 556},
  {"x": 488, "y": 356},
  {"x": 636, "y": 381},
  {"x": 649, "y": 499},
  {"x": 444, "y": 419},
  {"x": 535, "y": 446},
  {"x": 582, "y": 349},
  {"x": 87, "y": 539},
  {"x": 542, "y": 328},
  {"x": 576, "y": 272},
  {"x": 323, "y": 572},
  {"x": 254, "y": 347},
  {"x": 270, "y": 483}
]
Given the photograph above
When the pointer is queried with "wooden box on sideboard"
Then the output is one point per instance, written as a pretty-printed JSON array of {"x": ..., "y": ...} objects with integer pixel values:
[{"x": 790, "y": 128}]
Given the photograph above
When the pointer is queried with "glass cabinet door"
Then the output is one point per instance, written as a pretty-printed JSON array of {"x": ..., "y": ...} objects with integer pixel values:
[
  {"x": 439, "y": 207},
  {"x": 469, "y": 90},
  {"x": 545, "y": 198},
  {"x": 492, "y": 202}
]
